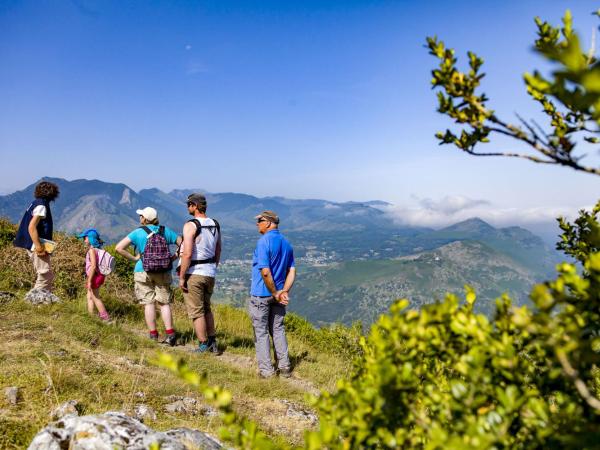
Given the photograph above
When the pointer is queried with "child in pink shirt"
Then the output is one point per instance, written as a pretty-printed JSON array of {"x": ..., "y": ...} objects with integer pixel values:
[{"x": 94, "y": 279}]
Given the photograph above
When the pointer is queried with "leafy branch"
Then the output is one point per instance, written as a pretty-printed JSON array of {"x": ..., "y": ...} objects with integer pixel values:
[{"x": 570, "y": 100}]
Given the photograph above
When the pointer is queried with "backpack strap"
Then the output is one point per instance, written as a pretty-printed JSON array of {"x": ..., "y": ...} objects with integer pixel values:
[
  {"x": 161, "y": 230},
  {"x": 198, "y": 227},
  {"x": 146, "y": 229},
  {"x": 195, "y": 262}
]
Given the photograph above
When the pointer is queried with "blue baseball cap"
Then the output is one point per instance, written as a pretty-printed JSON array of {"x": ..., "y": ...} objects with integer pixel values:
[{"x": 93, "y": 236}]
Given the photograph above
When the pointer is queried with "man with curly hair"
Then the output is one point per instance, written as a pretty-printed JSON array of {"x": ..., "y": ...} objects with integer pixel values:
[{"x": 36, "y": 226}]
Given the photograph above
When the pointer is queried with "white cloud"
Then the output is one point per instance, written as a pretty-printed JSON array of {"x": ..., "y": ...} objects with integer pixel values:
[
  {"x": 451, "y": 204},
  {"x": 453, "y": 209}
]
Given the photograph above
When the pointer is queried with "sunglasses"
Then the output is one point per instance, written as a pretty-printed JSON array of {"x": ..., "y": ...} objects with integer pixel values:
[
  {"x": 261, "y": 220},
  {"x": 191, "y": 204}
]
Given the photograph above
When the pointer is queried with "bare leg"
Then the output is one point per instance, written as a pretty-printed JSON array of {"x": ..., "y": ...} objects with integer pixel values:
[
  {"x": 210, "y": 323},
  {"x": 165, "y": 312},
  {"x": 98, "y": 302},
  {"x": 150, "y": 315},
  {"x": 90, "y": 302},
  {"x": 200, "y": 328}
]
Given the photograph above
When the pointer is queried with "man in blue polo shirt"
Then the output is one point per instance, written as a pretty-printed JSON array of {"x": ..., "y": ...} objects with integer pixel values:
[{"x": 273, "y": 275}]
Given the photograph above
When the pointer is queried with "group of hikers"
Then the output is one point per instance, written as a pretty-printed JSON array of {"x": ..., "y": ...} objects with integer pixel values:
[{"x": 198, "y": 253}]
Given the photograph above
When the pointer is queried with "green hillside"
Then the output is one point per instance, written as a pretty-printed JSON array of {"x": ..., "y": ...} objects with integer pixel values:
[{"x": 361, "y": 290}]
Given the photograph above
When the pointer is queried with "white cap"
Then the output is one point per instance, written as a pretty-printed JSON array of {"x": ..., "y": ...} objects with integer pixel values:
[{"x": 148, "y": 213}]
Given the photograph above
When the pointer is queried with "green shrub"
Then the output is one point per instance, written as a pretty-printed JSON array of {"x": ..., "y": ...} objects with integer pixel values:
[
  {"x": 336, "y": 339},
  {"x": 123, "y": 267},
  {"x": 445, "y": 377},
  {"x": 8, "y": 232}
]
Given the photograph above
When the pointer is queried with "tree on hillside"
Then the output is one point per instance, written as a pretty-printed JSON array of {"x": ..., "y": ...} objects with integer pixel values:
[{"x": 569, "y": 97}]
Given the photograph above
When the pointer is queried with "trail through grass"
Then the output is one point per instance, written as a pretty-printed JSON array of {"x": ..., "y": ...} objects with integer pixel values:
[{"x": 57, "y": 353}]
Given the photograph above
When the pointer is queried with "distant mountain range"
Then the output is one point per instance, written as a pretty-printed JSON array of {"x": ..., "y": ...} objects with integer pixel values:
[
  {"x": 353, "y": 259},
  {"x": 110, "y": 207}
]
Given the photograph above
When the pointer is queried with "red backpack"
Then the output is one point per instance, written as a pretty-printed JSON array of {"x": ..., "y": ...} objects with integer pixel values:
[{"x": 156, "y": 256}]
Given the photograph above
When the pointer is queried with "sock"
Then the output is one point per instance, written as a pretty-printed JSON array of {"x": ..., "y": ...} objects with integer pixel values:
[
  {"x": 104, "y": 315},
  {"x": 170, "y": 331},
  {"x": 154, "y": 332}
]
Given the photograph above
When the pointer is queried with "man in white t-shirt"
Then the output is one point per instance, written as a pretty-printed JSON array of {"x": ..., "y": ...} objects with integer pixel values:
[
  {"x": 201, "y": 252},
  {"x": 36, "y": 227}
]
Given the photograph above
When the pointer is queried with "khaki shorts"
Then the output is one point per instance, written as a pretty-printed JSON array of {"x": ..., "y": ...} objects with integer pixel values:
[
  {"x": 153, "y": 287},
  {"x": 197, "y": 298}
]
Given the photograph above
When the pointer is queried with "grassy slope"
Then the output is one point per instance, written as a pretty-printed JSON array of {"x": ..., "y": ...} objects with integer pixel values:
[{"x": 56, "y": 353}]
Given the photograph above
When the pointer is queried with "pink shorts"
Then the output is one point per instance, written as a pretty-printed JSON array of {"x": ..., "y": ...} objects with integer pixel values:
[{"x": 97, "y": 280}]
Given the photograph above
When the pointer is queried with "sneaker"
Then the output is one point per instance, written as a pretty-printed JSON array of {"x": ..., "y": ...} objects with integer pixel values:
[
  {"x": 285, "y": 373},
  {"x": 170, "y": 339},
  {"x": 266, "y": 375},
  {"x": 212, "y": 345},
  {"x": 202, "y": 348}
]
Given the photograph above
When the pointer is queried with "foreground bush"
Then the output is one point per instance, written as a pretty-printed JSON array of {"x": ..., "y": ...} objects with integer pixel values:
[{"x": 445, "y": 377}]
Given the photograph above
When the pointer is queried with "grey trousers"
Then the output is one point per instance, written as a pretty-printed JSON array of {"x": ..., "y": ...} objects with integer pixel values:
[{"x": 267, "y": 319}]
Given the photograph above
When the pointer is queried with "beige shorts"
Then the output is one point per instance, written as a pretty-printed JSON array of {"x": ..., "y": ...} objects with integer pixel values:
[
  {"x": 153, "y": 287},
  {"x": 197, "y": 298}
]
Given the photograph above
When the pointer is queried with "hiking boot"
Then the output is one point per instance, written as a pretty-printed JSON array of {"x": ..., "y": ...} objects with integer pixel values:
[
  {"x": 285, "y": 373},
  {"x": 212, "y": 345},
  {"x": 170, "y": 339},
  {"x": 203, "y": 347},
  {"x": 154, "y": 337}
]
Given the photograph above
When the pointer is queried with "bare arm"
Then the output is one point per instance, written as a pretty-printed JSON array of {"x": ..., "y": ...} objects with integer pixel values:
[
  {"x": 289, "y": 282},
  {"x": 189, "y": 232},
  {"x": 178, "y": 242},
  {"x": 269, "y": 282},
  {"x": 289, "y": 279},
  {"x": 121, "y": 249},
  {"x": 35, "y": 237},
  {"x": 218, "y": 250}
]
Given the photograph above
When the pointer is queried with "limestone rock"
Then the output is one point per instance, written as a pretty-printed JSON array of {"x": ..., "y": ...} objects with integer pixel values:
[
  {"x": 12, "y": 395},
  {"x": 143, "y": 412},
  {"x": 298, "y": 412},
  {"x": 41, "y": 297},
  {"x": 192, "y": 439},
  {"x": 116, "y": 430},
  {"x": 6, "y": 296},
  {"x": 69, "y": 408},
  {"x": 188, "y": 405}
]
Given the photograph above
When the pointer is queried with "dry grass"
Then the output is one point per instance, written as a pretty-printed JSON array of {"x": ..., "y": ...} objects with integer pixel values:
[{"x": 57, "y": 353}]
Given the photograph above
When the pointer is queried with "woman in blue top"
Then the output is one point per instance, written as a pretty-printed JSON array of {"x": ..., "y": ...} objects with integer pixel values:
[{"x": 155, "y": 287}]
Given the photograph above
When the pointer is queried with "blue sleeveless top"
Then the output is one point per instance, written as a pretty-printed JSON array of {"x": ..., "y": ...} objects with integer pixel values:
[{"x": 44, "y": 226}]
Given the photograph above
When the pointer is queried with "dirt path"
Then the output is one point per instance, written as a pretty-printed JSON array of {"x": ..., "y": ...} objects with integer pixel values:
[{"x": 240, "y": 362}]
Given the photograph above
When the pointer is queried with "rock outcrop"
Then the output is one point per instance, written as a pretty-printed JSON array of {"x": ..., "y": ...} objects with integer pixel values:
[
  {"x": 41, "y": 297},
  {"x": 69, "y": 408},
  {"x": 116, "y": 430}
]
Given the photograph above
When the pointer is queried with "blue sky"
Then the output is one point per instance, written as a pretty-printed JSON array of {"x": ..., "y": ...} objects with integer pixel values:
[{"x": 301, "y": 99}]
